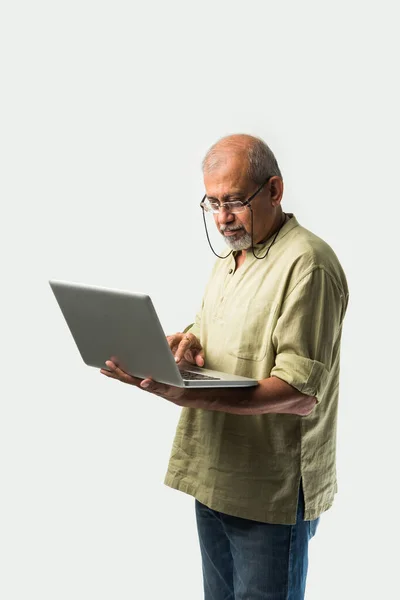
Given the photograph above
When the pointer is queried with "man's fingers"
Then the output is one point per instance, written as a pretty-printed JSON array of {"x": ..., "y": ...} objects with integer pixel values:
[
  {"x": 183, "y": 347},
  {"x": 189, "y": 356},
  {"x": 200, "y": 359},
  {"x": 119, "y": 374},
  {"x": 195, "y": 356},
  {"x": 108, "y": 373},
  {"x": 154, "y": 387},
  {"x": 173, "y": 341},
  {"x": 186, "y": 345},
  {"x": 174, "y": 344}
]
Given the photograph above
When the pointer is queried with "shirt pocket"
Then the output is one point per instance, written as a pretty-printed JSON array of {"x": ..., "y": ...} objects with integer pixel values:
[{"x": 250, "y": 326}]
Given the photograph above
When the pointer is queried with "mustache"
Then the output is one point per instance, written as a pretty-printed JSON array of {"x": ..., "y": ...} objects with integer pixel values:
[{"x": 226, "y": 228}]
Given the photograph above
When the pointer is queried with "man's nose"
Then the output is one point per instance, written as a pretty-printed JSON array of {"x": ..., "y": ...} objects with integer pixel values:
[{"x": 224, "y": 216}]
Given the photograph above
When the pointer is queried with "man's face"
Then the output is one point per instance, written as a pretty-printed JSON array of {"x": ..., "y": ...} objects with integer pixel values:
[{"x": 230, "y": 182}]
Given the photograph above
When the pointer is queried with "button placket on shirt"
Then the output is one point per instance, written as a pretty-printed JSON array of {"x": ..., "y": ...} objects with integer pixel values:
[
  {"x": 224, "y": 290},
  {"x": 232, "y": 278}
]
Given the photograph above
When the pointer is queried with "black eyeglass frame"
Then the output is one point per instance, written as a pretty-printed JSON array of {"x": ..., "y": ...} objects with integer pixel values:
[{"x": 246, "y": 202}]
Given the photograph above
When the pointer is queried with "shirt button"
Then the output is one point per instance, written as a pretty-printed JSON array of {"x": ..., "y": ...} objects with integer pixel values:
[{"x": 230, "y": 271}]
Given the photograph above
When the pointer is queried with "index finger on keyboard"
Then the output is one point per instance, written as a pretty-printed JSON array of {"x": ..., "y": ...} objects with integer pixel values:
[{"x": 184, "y": 345}]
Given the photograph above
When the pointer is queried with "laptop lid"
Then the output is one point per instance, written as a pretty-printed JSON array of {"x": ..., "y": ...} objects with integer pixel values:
[{"x": 122, "y": 326}]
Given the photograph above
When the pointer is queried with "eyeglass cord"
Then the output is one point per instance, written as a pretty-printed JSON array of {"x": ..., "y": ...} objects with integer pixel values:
[{"x": 252, "y": 244}]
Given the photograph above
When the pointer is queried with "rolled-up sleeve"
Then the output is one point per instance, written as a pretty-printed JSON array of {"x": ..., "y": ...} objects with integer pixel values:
[{"x": 306, "y": 331}]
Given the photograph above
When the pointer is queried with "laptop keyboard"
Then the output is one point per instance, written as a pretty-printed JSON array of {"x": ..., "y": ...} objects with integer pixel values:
[{"x": 197, "y": 376}]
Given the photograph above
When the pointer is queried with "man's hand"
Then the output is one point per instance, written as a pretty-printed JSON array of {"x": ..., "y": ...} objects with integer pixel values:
[
  {"x": 272, "y": 395},
  {"x": 186, "y": 346},
  {"x": 177, "y": 395}
]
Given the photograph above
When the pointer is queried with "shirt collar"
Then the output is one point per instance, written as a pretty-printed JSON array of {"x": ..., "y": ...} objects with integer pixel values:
[{"x": 290, "y": 224}]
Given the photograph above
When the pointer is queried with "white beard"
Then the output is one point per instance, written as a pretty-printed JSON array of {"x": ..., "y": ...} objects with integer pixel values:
[{"x": 241, "y": 243}]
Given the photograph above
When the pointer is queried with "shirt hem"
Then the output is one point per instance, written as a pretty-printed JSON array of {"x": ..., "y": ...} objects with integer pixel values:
[{"x": 244, "y": 512}]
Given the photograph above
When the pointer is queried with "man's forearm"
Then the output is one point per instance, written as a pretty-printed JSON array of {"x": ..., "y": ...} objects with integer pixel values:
[{"x": 272, "y": 395}]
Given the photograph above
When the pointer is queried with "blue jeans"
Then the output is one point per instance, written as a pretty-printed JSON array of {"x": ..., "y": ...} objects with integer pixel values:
[{"x": 248, "y": 560}]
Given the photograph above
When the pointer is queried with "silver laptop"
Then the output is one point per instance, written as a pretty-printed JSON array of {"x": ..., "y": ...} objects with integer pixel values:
[{"x": 109, "y": 324}]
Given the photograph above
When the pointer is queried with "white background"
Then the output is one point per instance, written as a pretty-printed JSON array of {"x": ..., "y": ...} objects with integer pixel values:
[{"x": 106, "y": 111}]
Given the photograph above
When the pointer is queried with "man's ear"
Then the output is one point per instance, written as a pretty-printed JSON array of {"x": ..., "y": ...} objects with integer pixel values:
[{"x": 276, "y": 189}]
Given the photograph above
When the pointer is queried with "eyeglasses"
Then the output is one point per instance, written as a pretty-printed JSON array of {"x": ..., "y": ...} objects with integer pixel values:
[{"x": 233, "y": 207}]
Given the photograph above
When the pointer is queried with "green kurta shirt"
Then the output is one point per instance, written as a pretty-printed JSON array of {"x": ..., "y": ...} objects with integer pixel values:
[{"x": 281, "y": 316}]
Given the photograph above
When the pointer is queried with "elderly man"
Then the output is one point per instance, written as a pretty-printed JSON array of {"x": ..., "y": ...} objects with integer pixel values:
[{"x": 260, "y": 461}]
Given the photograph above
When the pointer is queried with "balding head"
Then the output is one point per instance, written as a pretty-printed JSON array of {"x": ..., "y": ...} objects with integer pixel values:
[{"x": 252, "y": 152}]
